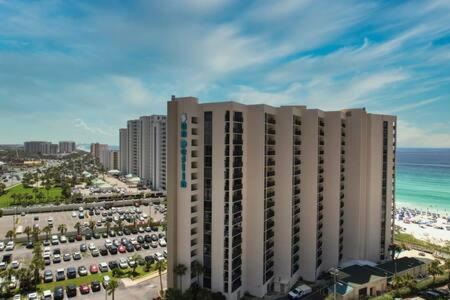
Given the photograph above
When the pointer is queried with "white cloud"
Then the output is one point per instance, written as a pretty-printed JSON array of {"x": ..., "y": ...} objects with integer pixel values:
[
  {"x": 79, "y": 123},
  {"x": 412, "y": 136},
  {"x": 413, "y": 105},
  {"x": 251, "y": 95},
  {"x": 132, "y": 91}
]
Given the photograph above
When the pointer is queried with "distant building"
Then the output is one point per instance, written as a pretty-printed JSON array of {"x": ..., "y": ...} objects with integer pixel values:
[
  {"x": 143, "y": 150},
  {"x": 67, "y": 147},
  {"x": 123, "y": 146},
  {"x": 37, "y": 147},
  {"x": 53, "y": 149},
  {"x": 97, "y": 149},
  {"x": 114, "y": 160}
]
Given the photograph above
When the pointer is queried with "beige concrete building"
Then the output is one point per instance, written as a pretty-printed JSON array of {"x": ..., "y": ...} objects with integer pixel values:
[
  {"x": 262, "y": 195},
  {"x": 67, "y": 147},
  {"x": 123, "y": 146}
]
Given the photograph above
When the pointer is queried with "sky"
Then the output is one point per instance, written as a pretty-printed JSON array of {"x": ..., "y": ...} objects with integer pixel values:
[{"x": 78, "y": 70}]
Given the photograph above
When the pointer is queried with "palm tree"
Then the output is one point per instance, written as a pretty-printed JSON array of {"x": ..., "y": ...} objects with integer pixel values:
[
  {"x": 394, "y": 249},
  {"x": 77, "y": 226},
  {"x": 160, "y": 265},
  {"x": 435, "y": 269},
  {"x": 112, "y": 286},
  {"x": 92, "y": 225},
  {"x": 197, "y": 269},
  {"x": 37, "y": 262},
  {"x": 180, "y": 271},
  {"x": 28, "y": 230},
  {"x": 119, "y": 224},
  {"x": 10, "y": 235},
  {"x": 447, "y": 266},
  {"x": 47, "y": 230},
  {"x": 62, "y": 228},
  {"x": 108, "y": 226},
  {"x": 136, "y": 258},
  {"x": 36, "y": 232}
]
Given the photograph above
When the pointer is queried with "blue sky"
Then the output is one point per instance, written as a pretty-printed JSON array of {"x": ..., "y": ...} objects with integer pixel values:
[{"x": 79, "y": 69}]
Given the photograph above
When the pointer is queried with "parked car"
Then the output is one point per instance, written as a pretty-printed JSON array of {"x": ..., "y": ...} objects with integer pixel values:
[
  {"x": 84, "y": 289},
  {"x": 103, "y": 251},
  {"x": 47, "y": 295},
  {"x": 15, "y": 264},
  {"x": 71, "y": 272},
  {"x": 162, "y": 242},
  {"x": 58, "y": 293},
  {"x": 95, "y": 286},
  {"x": 48, "y": 276},
  {"x": 56, "y": 258},
  {"x": 76, "y": 256},
  {"x": 82, "y": 271},
  {"x": 83, "y": 248},
  {"x": 71, "y": 291},
  {"x": 113, "y": 264},
  {"x": 103, "y": 267},
  {"x": 122, "y": 249},
  {"x": 123, "y": 264},
  {"x": 67, "y": 257},
  {"x": 60, "y": 275},
  {"x": 113, "y": 249},
  {"x": 10, "y": 246},
  {"x": 95, "y": 253},
  {"x": 93, "y": 269},
  {"x": 106, "y": 281},
  {"x": 300, "y": 291}
]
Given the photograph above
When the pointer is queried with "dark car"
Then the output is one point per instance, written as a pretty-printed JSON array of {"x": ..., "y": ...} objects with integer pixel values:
[
  {"x": 145, "y": 246},
  {"x": 155, "y": 228},
  {"x": 71, "y": 273},
  {"x": 112, "y": 233},
  {"x": 87, "y": 236},
  {"x": 58, "y": 293},
  {"x": 57, "y": 251},
  {"x": 126, "y": 231},
  {"x": 83, "y": 248},
  {"x": 137, "y": 246},
  {"x": 154, "y": 237},
  {"x": 134, "y": 230},
  {"x": 130, "y": 247},
  {"x": 7, "y": 258},
  {"x": 113, "y": 249},
  {"x": 147, "y": 238},
  {"x": 47, "y": 261},
  {"x": 119, "y": 233},
  {"x": 113, "y": 264},
  {"x": 149, "y": 258},
  {"x": 29, "y": 245},
  {"x": 95, "y": 286},
  {"x": 140, "y": 239},
  {"x": 160, "y": 235},
  {"x": 124, "y": 241},
  {"x": 46, "y": 243},
  {"x": 103, "y": 251},
  {"x": 71, "y": 291},
  {"x": 97, "y": 235},
  {"x": 71, "y": 239},
  {"x": 104, "y": 235}
]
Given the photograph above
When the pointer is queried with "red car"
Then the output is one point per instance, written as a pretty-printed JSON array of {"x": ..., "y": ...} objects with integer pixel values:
[
  {"x": 122, "y": 249},
  {"x": 84, "y": 289},
  {"x": 93, "y": 269}
]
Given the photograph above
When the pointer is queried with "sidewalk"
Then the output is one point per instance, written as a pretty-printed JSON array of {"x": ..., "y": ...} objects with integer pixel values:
[{"x": 127, "y": 282}]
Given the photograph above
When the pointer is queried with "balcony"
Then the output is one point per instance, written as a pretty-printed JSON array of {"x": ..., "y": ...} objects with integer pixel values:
[
  {"x": 270, "y": 194},
  {"x": 296, "y": 191},
  {"x": 237, "y": 152},
  {"x": 297, "y": 132},
  {"x": 270, "y": 131},
  {"x": 269, "y": 234},
  {"x": 270, "y": 142},
  {"x": 296, "y": 181},
  {"x": 270, "y": 120},
  {"x": 270, "y": 152},
  {"x": 297, "y": 142},
  {"x": 238, "y": 140},
  {"x": 297, "y": 152},
  {"x": 297, "y": 162},
  {"x": 270, "y": 173},
  {"x": 298, "y": 122},
  {"x": 297, "y": 172},
  {"x": 270, "y": 162},
  {"x": 321, "y": 123},
  {"x": 270, "y": 183},
  {"x": 270, "y": 213}
]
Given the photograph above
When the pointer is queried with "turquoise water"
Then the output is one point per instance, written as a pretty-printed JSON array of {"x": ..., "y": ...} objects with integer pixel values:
[{"x": 423, "y": 179}]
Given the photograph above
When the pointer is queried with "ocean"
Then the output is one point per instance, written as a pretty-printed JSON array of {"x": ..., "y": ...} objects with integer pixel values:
[{"x": 423, "y": 179}]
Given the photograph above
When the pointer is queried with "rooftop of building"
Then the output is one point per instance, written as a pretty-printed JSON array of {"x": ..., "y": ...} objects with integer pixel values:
[
  {"x": 402, "y": 264},
  {"x": 361, "y": 274}
]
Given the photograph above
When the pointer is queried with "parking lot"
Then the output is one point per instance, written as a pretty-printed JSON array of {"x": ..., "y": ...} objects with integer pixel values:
[{"x": 94, "y": 249}]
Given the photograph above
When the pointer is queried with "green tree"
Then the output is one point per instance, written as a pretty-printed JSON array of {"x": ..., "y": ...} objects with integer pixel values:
[
  {"x": 25, "y": 277},
  {"x": 37, "y": 262},
  {"x": 180, "y": 270},
  {"x": 2, "y": 188},
  {"x": 108, "y": 226},
  {"x": 10, "y": 235},
  {"x": 36, "y": 231},
  {"x": 435, "y": 269},
  {"x": 62, "y": 228},
  {"x": 173, "y": 294},
  {"x": 77, "y": 226},
  {"x": 447, "y": 266},
  {"x": 160, "y": 266},
  {"x": 92, "y": 225},
  {"x": 112, "y": 287},
  {"x": 47, "y": 230},
  {"x": 197, "y": 269},
  {"x": 136, "y": 258},
  {"x": 28, "y": 230},
  {"x": 394, "y": 250}
]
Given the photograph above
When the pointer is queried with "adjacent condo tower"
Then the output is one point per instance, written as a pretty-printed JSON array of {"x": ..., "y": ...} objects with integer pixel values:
[{"x": 262, "y": 195}]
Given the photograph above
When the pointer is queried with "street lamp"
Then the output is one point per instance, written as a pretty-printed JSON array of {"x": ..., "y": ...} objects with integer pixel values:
[{"x": 334, "y": 272}]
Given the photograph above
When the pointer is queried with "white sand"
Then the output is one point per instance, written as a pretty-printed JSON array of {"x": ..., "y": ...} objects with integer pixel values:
[{"x": 430, "y": 234}]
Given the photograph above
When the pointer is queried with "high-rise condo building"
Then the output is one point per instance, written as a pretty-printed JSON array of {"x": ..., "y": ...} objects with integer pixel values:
[
  {"x": 114, "y": 160},
  {"x": 99, "y": 151},
  {"x": 134, "y": 146},
  {"x": 123, "y": 146},
  {"x": 67, "y": 147},
  {"x": 143, "y": 150},
  {"x": 262, "y": 195},
  {"x": 37, "y": 147}
]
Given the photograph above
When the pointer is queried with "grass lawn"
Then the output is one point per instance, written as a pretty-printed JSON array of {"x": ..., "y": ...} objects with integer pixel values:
[
  {"x": 6, "y": 200},
  {"x": 76, "y": 281}
]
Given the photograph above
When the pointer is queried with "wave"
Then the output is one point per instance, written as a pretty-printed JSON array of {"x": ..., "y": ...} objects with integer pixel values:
[{"x": 424, "y": 165}]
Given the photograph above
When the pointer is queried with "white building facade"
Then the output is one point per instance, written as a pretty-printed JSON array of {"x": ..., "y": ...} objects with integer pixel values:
[{"x": 262, "y": 195}]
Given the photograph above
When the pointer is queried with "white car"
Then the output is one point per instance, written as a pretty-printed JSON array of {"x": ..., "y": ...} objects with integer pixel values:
[
  {"x": 17, "y": 297},
  {"x": 10, "y": 246},
  {"x": 2, "y": 266},
  {"x": 123, "y": 264},
  {"x": 55, "y": 240},
  {"x": 106, "y": 281},
  {"x": 13, "y": 282},
  {"x": 33, "y": 296},
  {"x": 2, "y": 246},
  {"x": 300, "y": 291},
  {"x": 63, "y": 239},
  {"x": 50, "y": 220},
  {"x": 74, "y": 214},
  {"x": 103, "y": 267},
  {"x": 47, "y": 295},
  {"x": 92, "y": 246},
  {"x": 162, "y": 242},
  {"x": 15, "y": 264},
  {"x": 108, "y": 243},
  {"x": 159, "y": 256}
]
